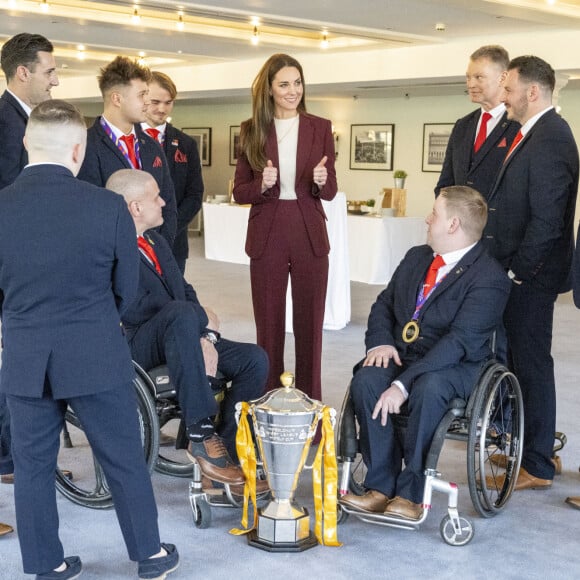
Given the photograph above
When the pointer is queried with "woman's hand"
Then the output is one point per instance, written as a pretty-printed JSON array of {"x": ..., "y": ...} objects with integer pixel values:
[
  {"x": 320, "y": 173},
  {"x": 269, "y": 176}
]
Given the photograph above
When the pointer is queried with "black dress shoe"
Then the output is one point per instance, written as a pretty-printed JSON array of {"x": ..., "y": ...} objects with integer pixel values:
[{"x": 158, "y": 568}]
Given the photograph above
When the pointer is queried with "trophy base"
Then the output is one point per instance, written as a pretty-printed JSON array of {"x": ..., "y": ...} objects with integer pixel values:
[{"x": 283, "y": 535}]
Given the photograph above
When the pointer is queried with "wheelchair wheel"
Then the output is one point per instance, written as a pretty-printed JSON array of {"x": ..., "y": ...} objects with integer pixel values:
[
  {"x": 451, "y": 537},
  {"x": 495, "y": 442},
  {"x": 90, "y": 488},
  {"x": 201, "y": 514},
  {"x": 174, "y": 462},
  {"x": 348, "y": 449}
]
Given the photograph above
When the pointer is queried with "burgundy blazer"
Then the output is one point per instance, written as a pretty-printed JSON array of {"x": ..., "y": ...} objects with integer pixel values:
[{"x": 314, "y": 142}]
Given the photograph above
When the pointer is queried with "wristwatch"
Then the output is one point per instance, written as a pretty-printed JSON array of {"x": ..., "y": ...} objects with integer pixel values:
[{"x": 211, "y": 336}]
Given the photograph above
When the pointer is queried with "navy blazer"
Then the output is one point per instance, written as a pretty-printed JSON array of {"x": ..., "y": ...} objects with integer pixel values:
[
  {"x": 185, "y": 170},
  {"x": 155, "y": 290},
  {"x": 68, "y": 266},
  {"x": 103, "y": 158},
  {"x": 314, "y": 142},
  {"x": 531, "y": 206},
  {"x": 456, "y": 322},
  {"x": 13, "y": 155},
  {"x": 478, "y": 170}
]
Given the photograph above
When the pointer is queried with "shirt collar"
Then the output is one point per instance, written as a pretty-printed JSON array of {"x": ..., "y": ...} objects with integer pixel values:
[
  {"x": 117, "y": 132},
  {"x": 533, "y": 120},
  {"x": 496, "y": 112},
  {"x": 451, "y": 258},
  {"x": 26, "y": 108}
]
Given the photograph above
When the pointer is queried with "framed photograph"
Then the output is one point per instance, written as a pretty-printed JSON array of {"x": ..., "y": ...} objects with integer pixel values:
[
  {"x": 234, "y": 143},
  {"x": 435, "y": 139},
  {"x": 371, "y": 147},
  {"x": 202, "y": 136}
]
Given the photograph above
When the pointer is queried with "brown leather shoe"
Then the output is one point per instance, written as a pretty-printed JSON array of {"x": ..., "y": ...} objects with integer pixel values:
[
  {"x": 372, "y": 501},
  {"x": 404, "y": 508},
  {"x": 215, "y": 461},
  {"x": 501, "y": 461},
  {"x": 574, "y": 501},
  {"x": 5, "y": 529},
  {"x": 525, "y": 481},
  {"x": 207, "y": 486},
  {"x": 9, "y": 477}
]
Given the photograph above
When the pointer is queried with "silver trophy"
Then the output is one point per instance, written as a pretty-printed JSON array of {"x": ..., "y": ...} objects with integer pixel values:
[{"x": 284, "y": 422}]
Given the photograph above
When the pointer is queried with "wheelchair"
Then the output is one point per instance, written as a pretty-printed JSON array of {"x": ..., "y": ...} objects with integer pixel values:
[
  {"x": 491, "y": 423},
  {"x": 157, "y": 405}
]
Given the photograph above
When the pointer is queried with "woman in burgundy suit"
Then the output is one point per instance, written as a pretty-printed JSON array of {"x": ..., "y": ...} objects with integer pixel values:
[{"x": 285, "y": 167}]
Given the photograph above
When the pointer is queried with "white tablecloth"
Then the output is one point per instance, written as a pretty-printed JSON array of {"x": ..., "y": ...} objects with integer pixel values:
[
  {"x": 225, "y": 238},
  {"x": 378, "y": 244}
]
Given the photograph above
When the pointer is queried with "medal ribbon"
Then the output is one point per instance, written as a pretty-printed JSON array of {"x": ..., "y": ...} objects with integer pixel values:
[
  {"x": 421, "y": 299},
  {"x": 120, "y": 147},
  {"x": 247, "y": 457},
  {"x": 325, "y": 497}
]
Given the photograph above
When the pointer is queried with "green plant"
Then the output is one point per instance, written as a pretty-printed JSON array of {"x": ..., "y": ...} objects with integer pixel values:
[
  {"x": 371, "y": 202},
  {"x": 400, "y": 174}
]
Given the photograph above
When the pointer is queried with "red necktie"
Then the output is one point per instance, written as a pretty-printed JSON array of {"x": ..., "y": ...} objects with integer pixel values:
[
  {"x": 431, "y": 277},
  {"x": 482, "y": 135},
  {"x": 153, "y": 133},
  {"x": 516, "y": 140},
  {"x": 129, "y": 141},
  {"x": 150, "y": 252}
]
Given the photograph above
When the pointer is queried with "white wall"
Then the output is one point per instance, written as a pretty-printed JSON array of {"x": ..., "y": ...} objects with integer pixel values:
[{"x": 408, "y": 116}]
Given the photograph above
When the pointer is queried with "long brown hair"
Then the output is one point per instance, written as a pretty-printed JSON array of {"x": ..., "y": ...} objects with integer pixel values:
[{"x": 255, "y": 131}]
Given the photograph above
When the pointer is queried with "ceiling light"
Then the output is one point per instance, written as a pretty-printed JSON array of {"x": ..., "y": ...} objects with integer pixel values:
[
  {"x": 81, "y": 51},
  {"x": 180, "y": 25},
  {"x": 255, "y": 37},
  {"x": 324, "y": 41},
  {"x": 44, "y": 6},
  {"x": 135, "y": 19}
]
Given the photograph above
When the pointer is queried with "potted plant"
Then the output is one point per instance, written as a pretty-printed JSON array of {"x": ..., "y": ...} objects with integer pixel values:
[{"x": 400, "y": 175}]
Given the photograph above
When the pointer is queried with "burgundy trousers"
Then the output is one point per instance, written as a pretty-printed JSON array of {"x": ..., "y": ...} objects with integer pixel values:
[{"x": 289, "y": 253}]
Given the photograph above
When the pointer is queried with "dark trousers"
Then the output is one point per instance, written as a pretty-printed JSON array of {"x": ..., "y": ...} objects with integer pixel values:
[
  {"x": 111, "y": 425},
  {"x": 6, "y": 463},
  {"x": 172, "y": 337},
  {"x": 381, "y": 447},
  {"x": 528, "y": 320},
  {"x": 289, "y": 253}
]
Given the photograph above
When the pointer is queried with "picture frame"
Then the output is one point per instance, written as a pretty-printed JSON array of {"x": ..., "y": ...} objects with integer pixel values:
[
  {"x": 202, "y": 136},
  {"x": 372, "y": 147},
  {"x": 234, "y": 143},
  {"x": 435, "y": 139}
]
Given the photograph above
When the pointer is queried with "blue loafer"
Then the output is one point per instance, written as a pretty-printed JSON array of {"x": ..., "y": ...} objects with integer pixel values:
[
  {"x": 73, "y": 569},
  {"x": 158, "y": 568}
]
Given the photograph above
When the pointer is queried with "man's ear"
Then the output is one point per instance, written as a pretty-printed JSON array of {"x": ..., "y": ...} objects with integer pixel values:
[
  {"x": 454, "y": 225},
  {"x": 78, "y": 153},
  {"x": 134, "y": 208}
]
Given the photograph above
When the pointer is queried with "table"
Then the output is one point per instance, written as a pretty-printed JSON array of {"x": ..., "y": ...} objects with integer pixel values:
[
  {"x": 225, "y": 228},
  {"x": 377, "y": 245}
]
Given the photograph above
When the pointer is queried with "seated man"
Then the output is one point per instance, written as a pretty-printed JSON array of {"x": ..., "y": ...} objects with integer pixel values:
[
  {"x": 428, "y": 336},
  {"x": 166, "y": 324}
]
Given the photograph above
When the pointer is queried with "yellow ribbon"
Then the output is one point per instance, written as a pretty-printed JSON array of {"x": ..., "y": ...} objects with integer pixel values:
[
  {"x": 247, "y": 457},
  {"x": 325, "y": 498}
]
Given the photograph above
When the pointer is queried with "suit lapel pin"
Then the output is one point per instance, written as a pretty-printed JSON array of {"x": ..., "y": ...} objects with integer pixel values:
[{"x": 175, "y": 143}]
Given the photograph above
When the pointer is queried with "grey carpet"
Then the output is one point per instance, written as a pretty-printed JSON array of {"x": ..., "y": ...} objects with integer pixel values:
[{"x": 535, "y": 537}]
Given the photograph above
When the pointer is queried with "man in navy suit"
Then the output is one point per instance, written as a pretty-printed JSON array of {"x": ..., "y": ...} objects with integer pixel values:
[
  {"x": 68, "y": 268},
  {"x": 479, "y": 141},
  {"x": 166, "y": 324},
  {"x": 427, "y": 339},
  {"x": 182, "y": 158},
  {"x": 116, "y": 140},
  {"x": 30, "y": 70},
  {"x": 530, "y": 232}
]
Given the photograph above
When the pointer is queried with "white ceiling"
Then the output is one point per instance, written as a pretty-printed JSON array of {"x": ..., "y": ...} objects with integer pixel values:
[{"x": 363, "y": 25}]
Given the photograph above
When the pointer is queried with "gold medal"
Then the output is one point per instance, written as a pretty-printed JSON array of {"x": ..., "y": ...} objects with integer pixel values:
[{"x": 410, "y": 331}]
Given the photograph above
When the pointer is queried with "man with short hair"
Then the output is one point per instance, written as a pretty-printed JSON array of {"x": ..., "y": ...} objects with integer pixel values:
[
  {"x": 530, "y": 232},
  {"x": 68, "y": 268},
  {"x": 182, "y": 157},
  {"x": 428, "y": 337},
  {"x": 30, "y": 71},
  {"x": 166, "y": 324},
  {"x": 116, "y": 140},
  {"x": 479, "y": 141}
]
